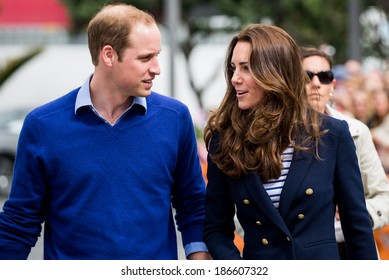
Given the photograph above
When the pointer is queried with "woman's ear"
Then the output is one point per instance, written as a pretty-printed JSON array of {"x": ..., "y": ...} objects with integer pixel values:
[{"x": 333, "y": 84}]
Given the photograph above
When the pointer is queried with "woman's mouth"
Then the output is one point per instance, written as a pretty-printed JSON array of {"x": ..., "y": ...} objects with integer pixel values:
[{"x": 240, "y": 92}]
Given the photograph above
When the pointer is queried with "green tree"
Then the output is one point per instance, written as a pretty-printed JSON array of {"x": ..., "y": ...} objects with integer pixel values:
[
  {"x": 81, "y": 11},
  {"x": 310, "y": 22}
]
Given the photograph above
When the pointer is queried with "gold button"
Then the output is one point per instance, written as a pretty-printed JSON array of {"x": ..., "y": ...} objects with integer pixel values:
[
  {"x": 309, "y": 191},
  {"x": 379, "y": 213},
  {"x": 258, "y": 223},
  {"x": 246, "y": 201},
  {"x": 265, "y": 241},
  {"x": 301, "y": 216},
  {"x": 288, "y": 238}
]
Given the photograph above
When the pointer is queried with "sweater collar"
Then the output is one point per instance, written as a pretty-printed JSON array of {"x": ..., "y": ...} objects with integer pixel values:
[{"x": 83, "y": 98}]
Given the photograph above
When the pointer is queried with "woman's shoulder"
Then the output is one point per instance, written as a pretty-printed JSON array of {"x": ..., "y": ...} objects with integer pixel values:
[
  {"x": 332, "y": 122},
  {"x": 334, "y": 126}
]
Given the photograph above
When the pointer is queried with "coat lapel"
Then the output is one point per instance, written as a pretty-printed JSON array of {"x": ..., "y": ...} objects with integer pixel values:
[
  {"x": 297, "y": 172},
  {"x": 255, "y": 187}
]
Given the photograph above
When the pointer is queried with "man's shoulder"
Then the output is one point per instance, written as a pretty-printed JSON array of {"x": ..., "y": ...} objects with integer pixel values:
[
  {"x": 57, "y": 105},
  {"x": 163, "y": 101}
]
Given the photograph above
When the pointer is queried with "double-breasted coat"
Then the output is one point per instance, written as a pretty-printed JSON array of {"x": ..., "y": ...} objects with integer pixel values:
[{"x": 303, "y": 225}]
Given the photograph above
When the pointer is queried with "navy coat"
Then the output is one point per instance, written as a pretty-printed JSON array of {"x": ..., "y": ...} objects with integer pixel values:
[{"x": 303, "y": 226}]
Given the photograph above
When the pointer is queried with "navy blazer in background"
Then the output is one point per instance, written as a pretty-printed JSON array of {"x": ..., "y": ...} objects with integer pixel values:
[{"x": 303, "y": 226}]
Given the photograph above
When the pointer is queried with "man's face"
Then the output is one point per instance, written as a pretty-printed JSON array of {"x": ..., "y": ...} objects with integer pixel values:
[{"x": 139, "y": 65}]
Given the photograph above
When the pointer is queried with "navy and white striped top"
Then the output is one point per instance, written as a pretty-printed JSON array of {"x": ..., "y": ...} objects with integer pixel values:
[{"x": 274, "y": 186}]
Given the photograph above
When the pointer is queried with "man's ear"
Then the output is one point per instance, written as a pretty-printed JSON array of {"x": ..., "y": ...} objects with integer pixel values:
[{"x": 108, "y": 55}]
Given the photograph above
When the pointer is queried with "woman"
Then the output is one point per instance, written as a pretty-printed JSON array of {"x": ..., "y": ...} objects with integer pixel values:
[
  {"x": 379, "y": 126},
  {"x": 318, "y": 65},
  {"x": 279, "y": 163}
]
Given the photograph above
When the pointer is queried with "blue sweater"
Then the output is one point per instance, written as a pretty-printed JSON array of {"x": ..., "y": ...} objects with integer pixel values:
[{"x": 104, "y": 192}]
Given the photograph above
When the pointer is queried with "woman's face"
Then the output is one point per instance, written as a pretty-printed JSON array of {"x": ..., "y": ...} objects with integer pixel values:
[
  {"x": 381, "y": 103},
  {"x": 318, "y": 93},
  {"x": 248, "y": 93}
]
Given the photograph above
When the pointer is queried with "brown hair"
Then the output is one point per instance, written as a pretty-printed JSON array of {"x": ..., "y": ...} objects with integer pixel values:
[
  {"x": 112, "y": 26},
  {"x": 254, "y": 139},
  {"x": 309, "y": 51}
]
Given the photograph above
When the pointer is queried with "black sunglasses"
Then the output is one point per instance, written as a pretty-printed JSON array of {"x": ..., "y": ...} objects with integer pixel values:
[{"x": 325, "y": 77}]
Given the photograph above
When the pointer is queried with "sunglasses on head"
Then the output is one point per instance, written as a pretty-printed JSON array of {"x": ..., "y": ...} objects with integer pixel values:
[{"x": 325, "y": 77}]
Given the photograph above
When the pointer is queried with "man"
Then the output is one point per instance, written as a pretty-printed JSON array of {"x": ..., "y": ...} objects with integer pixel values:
[
  {"x": 318, "y": 66},
  {"x": 102, "y": 165}
]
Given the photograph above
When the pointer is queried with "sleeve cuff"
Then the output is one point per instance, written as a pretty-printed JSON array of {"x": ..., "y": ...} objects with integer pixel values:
[{"x": 195, "y": 247}]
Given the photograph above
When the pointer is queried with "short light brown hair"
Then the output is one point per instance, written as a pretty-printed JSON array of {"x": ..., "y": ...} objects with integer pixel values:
[{"x": 112, "y": 26}]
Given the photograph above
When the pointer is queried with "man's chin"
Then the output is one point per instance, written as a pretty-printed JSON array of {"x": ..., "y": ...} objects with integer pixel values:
[{"x": 144, "y": 93}]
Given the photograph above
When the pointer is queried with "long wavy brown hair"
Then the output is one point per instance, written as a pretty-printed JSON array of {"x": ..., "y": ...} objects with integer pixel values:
[{"x": 254, "y": 139}]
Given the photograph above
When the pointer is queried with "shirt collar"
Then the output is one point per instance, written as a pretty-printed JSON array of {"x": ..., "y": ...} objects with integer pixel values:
[{"x": 83, "y": 98}]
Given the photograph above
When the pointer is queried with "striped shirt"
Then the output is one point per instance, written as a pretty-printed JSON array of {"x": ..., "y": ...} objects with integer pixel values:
[{"x": 274, "y": 186}]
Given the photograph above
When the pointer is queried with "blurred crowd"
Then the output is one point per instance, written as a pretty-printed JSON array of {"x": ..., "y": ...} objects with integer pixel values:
[{"x": 365, "y": 96}]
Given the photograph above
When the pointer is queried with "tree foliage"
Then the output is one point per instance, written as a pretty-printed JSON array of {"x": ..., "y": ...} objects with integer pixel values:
[
  {"x": 309, "y": 22},
  {"x": 81, "y": 11}
]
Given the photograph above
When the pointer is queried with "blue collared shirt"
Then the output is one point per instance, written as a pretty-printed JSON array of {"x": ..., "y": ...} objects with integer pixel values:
[{"x": 84, "y": 99}]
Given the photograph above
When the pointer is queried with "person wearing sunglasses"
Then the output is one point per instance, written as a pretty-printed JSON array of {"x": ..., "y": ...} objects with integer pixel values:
[{"x": 318, "y": 65}]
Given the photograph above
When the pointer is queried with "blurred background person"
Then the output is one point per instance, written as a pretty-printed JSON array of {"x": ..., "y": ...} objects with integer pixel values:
[
  {"x": 380, "y": 128},
  {"x": 362, "y": 107},
  {"x": 318, "y": 65},
  {"x": 380, "y": 107}
]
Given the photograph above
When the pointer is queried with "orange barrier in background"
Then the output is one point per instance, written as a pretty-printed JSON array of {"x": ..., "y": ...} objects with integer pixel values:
[{"x": 381, "y": 237}]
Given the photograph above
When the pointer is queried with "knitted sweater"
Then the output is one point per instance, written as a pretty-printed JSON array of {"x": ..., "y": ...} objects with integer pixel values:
[{"x": 104, "y": 192}]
